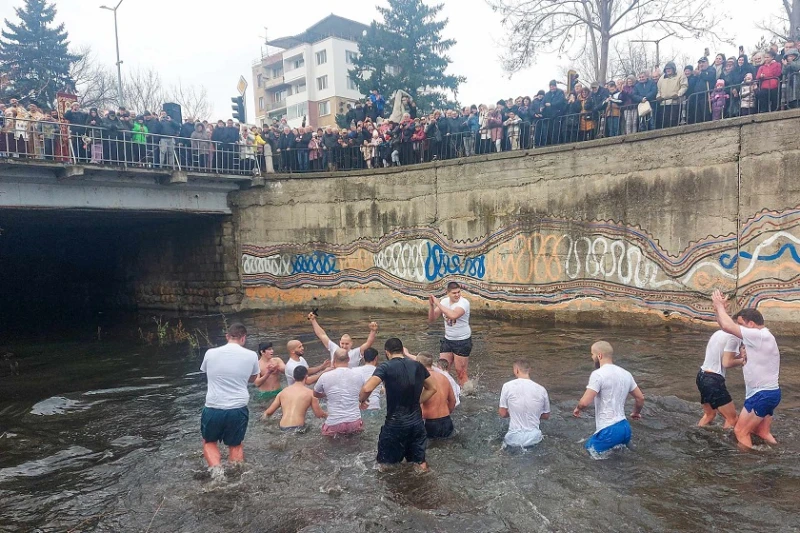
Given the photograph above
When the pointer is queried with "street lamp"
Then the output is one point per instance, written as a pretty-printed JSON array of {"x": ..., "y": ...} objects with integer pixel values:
[
  {"x": 657, "y": 43},
  {"x": 116, "y": 37}
]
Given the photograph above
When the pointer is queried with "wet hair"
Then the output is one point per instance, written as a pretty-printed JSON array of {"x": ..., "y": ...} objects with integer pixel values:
[
  {"x": 370, "y": 354},
  {"x": 453, "y": 285},
  {"x": 393, "y": 345},
  {"x": 299, "y": 373},
  {"x": 425, "y": 359},
  {"x": 264, "y": 346},
  {"x": 523, "y": 365},
  {"x": 237, "y": 330},
  {"x": 443, "y": 363},
  {"x": 750, "y": 314},
  {"x": 341, "y": 356}
]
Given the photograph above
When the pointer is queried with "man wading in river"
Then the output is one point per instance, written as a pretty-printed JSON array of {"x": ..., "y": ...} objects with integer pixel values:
[
  {"x": 407, "y": 384},
  {"x": 722, "y": 352},
  {"x": 228, "y": 369},
  {"x": 346, "y": 342},
  {"x": 269, "y": 380},
  {"x": 525, "y": 402},
  {"x": 341, "y": 386},
  {"x": 609, "y": 387},
  {"x": 763, "y": 394},
  {"x": 296, "y": 351},
  {"x": 436, "y": 411},
  {"x": 457, "y": 343},
  {"x": 294, "y": 402}
]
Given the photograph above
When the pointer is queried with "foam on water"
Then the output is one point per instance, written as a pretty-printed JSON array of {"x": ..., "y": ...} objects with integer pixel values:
[{"x": 57, "y": 405}]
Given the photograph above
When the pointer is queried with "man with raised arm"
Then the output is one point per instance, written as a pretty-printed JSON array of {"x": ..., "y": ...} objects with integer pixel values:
[
  {"x": 269, "y": 380},
  {"x": 341, "y": 386},
  {"x": 456, "y": 345},
  {"x": 407, "y": 384},
  {"x": 609, "y": 387},
  {"x": 228, "y": 370},
  {"x": 525, "y": 402},
  {"x": 296, "y": 351},
  {"x": 294, "y": 402},
  {"x": 722, "y": 352},
  {"x": 346, "y": 342},
  {"x": 436, "y": 411},
  {"x": 762, "y": 394}
]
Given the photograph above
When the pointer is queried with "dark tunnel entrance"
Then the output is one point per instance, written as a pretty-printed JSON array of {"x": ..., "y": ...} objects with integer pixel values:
[{"x": 66, "y": 267}]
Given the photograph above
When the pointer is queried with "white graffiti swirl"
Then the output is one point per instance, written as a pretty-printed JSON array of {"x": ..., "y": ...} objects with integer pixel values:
[
  {"x": 406, "y": 260},
  {"x": 275, "y": 265}
]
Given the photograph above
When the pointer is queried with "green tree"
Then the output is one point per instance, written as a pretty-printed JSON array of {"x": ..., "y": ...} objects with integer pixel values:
[
  {"x": 35, "y": 54},
  {"x": 406, "y": 51}
]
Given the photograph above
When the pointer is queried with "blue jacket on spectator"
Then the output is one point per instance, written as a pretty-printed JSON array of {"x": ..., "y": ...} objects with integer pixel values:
[{"x": 647, "y": 90}]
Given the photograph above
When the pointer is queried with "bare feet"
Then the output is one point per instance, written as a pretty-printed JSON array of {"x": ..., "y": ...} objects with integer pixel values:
[{"x": 767, "y": 437}]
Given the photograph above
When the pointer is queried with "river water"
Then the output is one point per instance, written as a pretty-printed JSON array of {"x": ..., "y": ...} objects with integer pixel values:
[{"x": 103, "y": 435}]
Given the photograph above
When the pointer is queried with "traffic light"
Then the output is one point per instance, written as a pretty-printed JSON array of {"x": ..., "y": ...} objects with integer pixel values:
[{"x": 238, "y": 109}]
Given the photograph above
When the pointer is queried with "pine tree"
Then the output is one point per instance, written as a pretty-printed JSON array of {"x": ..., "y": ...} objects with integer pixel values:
[
  {"x": 406, "y": 51},
  {"x": 35, "y": 54}
]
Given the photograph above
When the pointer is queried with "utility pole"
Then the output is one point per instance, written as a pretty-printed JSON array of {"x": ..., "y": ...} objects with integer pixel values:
[
  {"x": 657, "y": 43},
  {"x": 116, "y": 38}
]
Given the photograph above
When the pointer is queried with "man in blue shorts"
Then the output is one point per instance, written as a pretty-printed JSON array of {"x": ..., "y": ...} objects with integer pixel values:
[
  {"x": 609, "y": 387},
  {"x": 762, "y": 392},
  {"x": 228, "y": 370}
]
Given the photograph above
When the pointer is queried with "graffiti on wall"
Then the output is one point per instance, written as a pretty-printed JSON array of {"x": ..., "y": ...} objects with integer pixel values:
[{"x": 553, "y": 261}]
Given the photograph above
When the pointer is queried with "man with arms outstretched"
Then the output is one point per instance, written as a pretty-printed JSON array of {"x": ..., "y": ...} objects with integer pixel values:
[
  {"x": 346, "y": 342},
  {"x": 609, "y": 387},
  {"x": 722, "y": 352},
  {"x": 456, "y": 345},
  {"x": 762, "y": 394},
  {"x": 228, "y": 370},
  {"x": 407, "y": 384},
  {"x": 294, "y": 402}
]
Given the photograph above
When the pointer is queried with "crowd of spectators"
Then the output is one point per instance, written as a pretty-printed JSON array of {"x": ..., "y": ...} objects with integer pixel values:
[{"x": 377, "y": 135}]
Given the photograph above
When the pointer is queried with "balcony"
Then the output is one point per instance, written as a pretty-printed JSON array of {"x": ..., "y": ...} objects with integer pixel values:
[
  {"x": 272, "y": 106},
  {"x": 295, "y": 74},
  {"x": 277, "y": 81}
]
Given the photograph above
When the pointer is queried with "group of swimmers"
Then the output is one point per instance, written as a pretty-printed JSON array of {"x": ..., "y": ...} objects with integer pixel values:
[{"x": 421, "y": 394}]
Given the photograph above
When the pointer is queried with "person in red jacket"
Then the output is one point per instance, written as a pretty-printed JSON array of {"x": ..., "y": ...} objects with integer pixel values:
[{"x": 769, "y": 81}]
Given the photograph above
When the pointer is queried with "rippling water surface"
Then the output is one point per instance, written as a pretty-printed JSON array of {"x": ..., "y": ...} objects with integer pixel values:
[{"x": 104, "y": 436}]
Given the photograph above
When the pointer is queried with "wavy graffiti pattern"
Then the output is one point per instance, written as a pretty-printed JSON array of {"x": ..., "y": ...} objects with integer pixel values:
[{"x": 554, "y": 261}]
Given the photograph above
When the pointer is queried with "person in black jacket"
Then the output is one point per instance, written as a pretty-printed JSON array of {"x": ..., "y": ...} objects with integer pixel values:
[
  {"x": 360, "y": 113},
  {"x": 170, "y": 129},
  {"x": 434, "y": 135},
  {"x": 455, "y": 133},
  {"x": 536, "y": 113},
  {"x": 77, "y": 119},
  {"x": 553, "y": 107},
  {"x": 111, "y": 144},
  {"x": 350, "y": 116},
  {"x": 217, "y": 138},
  {"x": 153, "y": 136},
  {"x": 330, "y": 140},
  {"x": 706, "y": 81},
  {"x": 230, "y": 136},
  {"x": 371, "y": 111},
  {"x": 185, "y": 141}
]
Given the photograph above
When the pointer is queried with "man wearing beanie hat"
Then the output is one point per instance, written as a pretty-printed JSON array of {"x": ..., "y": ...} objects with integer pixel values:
[{"x": 791, "y": 72}]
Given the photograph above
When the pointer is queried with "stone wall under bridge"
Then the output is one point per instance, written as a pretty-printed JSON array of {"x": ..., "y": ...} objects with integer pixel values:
[{"x": 629, "y": 230}]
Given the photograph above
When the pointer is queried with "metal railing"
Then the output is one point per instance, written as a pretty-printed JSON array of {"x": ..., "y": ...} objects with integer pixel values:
[{"x": 75, "y": 144}]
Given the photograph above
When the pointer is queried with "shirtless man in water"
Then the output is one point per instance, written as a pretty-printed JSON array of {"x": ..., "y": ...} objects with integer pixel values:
[
  {"x": 269, "y": 380},
  {"x": 436, "y": 409},
  {"x": 294, "y": 402}
]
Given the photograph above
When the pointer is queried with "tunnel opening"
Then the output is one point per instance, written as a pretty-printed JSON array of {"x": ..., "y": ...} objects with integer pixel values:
[{"x": 63, "y": 268}]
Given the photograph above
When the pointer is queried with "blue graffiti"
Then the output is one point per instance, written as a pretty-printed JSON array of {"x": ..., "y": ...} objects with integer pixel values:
[
  {"x": 314, "y": 263},
  {"x": 728, "y": 261},
  {"x": 439, "y": 264}
]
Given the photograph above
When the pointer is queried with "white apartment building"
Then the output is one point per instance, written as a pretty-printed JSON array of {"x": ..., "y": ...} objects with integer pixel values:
[{"x": 309, "y": 76}]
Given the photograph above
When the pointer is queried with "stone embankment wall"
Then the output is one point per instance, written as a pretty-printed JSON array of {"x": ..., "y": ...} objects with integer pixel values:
[{"x": 627, "y": 230}]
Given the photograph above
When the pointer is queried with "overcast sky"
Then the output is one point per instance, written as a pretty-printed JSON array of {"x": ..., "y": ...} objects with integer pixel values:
[{"x": 212, "y": 42}]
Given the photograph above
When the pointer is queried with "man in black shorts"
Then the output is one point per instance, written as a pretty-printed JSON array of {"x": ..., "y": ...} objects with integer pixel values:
[
  {"x": 723, "y": 351},
  {"x": 457, "y": 343},
  {"x": 407, "y": 384}
]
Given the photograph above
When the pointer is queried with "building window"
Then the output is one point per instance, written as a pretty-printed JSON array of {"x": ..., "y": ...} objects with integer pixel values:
[
  {"x": 301, "y": 88},
  {"x": 277, "y": 72},
  {"x": 279, "y": 96},
  {"x": 299, "y": 63},
  {"x": 322, "y": 83},
  {"x": 324, "y": 108},
  {"x": 322, "y": 57},
  {"x": 298, "y": 111},
  {"x": 350, "y": 57},
  {"x": 261, "y": 102},
  {"x": 260, "y": 80},
  {"x": 351, "y": 84}
]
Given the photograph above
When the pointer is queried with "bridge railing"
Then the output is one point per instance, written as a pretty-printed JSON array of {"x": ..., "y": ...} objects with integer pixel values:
[{"x": 50, "y": 140}]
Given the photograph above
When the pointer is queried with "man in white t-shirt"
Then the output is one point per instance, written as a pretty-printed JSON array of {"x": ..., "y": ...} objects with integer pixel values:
[
  {"x": 228, "y": 370},
  {"x": 346, "y": 342},
  {"x": 296, "y": 351},
  {"x": 525, "y": 402},
  {"x": 457, "y": 343},
  {"x": 608, "y": 388},
  {"x": 722, "y": 352},
  {"x": 762, "y": 391},
  {"x": 341, "y": 387},
  {"x": 373, "y": 404}
]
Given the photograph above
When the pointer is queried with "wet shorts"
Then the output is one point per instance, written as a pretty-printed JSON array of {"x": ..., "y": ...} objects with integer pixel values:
[
  {"x": 461, "y": 348},
  {"x": 345, "y": 428},
  {"x": 763, "y": 403},
  {"x": 712, "y": 389},
  {"x": 226, "y": 425},
  {"x": 396, "y": 443},
  {"x": 523, "y": 438},
  {"x": 267, "y": 395},
  {"x": 296, "y": 429},
  {"x": 439, "y": 428},
  {"x": 607, "y": 438}
]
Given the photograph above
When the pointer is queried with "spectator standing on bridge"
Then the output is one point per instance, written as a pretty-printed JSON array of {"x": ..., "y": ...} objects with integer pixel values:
[
  {"x": 791, "y": 72},
  {"x": 201, "y": 147},
  {"x": 645, "y": 90},
  {"x": 671, "y": 88},
  {"x": 139, "y": 141},
  {"x": 719, "y": 100},
  {"x": 93, "y": 138},
  {"x": 228, "y": 370},
  {"x": 768, "y": 79},
  {"x": 554, "y": 104},
  {"x": 747, "y": 96},
  {"x": 608, "y": 388},
  {"x": 170, "y": 129},
  {"x": 76, "y": 119},
  {"x": 377, "y": 100},
  {"x": 153, "y": 138},
  {"x": 113, "y": 146},
  {"x": 185, "y": 142}
]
